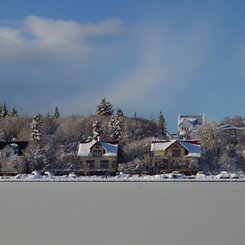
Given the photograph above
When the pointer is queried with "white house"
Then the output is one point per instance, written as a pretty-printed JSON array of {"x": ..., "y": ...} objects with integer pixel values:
[{"x": 188, "y": 123}]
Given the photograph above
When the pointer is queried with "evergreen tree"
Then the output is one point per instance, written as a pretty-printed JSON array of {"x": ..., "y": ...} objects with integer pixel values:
[
  {"x": 115, "y": 127},
  {"x": 36, "y": 127},
  {"x": 119, "y": 112},
  {"x": 5, "y": 110},
  {"x": 56, "y": 112},
  {"x": 97, "y": 130},
  {"x": 162, "y": 125},
  {"x": 14, "y": 112},
  {"x": 105, "y": 108}
]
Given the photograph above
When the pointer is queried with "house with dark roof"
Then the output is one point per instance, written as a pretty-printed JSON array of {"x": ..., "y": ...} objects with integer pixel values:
[
  {"x": 9, "y": 150},
  {"x": 175, "y": 154},
  {"x": 98, "y": 157},
  {"x": 232, "y": 132}
]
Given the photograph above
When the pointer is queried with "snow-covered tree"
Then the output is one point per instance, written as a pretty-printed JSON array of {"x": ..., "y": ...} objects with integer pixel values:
[
  {"x": 56, "y": 112},
  {"x": 16, "y": 164},
  {"x": 119, "y": 113},
  {"x": 37, "y": 127},
  {"x": 162, "y": 125},
  {"x": 115, "y": 127},
  {"x": 3, "y": 134},
  {"x": 4, "y": 110},
  {"x": 105, "y": 108},
  {"x": 97, "y": 130},
  {"x": 50, "y": 125},
  {"x": 13, "y": 113},
  {"x": 213, "y": 144}
]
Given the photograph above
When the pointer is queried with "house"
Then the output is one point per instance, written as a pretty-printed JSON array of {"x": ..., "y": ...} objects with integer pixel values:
[
  {"x": 188, "y": 123},
  {"x": 7, "y": 151},
  {"x": 232, "y": 132},
  {"x": 175, "y": 154},
  {"x": 98, "y": 157}
]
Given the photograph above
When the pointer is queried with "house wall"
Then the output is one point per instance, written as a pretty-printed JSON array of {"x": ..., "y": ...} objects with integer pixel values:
[
  {"x": 171, "y": 150},
  {"x": 185, "y": 126},
  {"x": 160, "y": 153},
  {"x": 95, "y": 163},
  {"x": 6, "y": 152}
]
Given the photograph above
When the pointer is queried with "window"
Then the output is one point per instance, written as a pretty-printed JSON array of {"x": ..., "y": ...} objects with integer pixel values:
[
  {"x": 233, "y": 132},
  {"x": 113, "y": 164},
  {"x": 90, "y": 164},
  {"x": 97, "y": 153},
  {"x": 176, "y": 153},
  {"x": 7, "y": 154},
  {"x": 104, "y": 163}
]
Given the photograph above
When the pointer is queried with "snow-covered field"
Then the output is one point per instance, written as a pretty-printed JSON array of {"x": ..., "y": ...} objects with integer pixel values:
[{"x": 139, "y": 213}]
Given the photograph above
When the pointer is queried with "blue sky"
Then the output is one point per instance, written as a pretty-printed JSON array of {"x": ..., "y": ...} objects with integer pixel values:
[{"x": 183, "y": 57}]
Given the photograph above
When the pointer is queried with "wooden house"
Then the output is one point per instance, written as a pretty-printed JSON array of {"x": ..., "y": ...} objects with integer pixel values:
[
  {"x": 98, "y": 157},
  {"x": 175, "y": 154}
]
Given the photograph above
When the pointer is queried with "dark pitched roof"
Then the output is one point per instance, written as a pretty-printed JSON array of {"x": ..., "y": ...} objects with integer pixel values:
[{"x": 18, "y": 146}]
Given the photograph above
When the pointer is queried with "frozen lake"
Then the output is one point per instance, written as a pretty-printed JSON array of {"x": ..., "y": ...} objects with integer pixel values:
[{"x": 122, "y": 213}]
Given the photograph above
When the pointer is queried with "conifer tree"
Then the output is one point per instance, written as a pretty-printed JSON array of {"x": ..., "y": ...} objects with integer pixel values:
[
  {"x": 162, "y": 125},
  {"x": 115, "y": 127},
  {"x": 56, "y": 112},
  {"x": 105, "y": 108},
  {"x": 14, "y": 112},
  {"x": 119, "y": 112},
  {"x": 36, "y": 127},
  {"x": 5, "y": 110},
  {"x": 97, "y": 130}
]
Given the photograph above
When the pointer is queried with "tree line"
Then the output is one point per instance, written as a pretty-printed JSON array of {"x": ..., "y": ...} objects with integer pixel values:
[{"x": 53, "y": 139}]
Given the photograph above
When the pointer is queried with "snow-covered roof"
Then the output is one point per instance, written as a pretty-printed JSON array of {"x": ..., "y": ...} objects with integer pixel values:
[
  {"x": 193, "y": 149},
  {"x": 228, "y": 126},
  {"x": 110, "y": 149},
  {"x": 85, "y": 148},
  {"x": 161, "y": 145},
  {"x": 192, "y": 119}
]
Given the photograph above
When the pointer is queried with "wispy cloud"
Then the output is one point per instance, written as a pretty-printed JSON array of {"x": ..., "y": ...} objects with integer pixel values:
[{"x": 74, "y": 65}]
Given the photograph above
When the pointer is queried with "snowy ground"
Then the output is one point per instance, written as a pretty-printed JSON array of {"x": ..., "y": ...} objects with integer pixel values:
[
  {"x": 139, "y": 213},
  {"x": 175, "y": 176}
]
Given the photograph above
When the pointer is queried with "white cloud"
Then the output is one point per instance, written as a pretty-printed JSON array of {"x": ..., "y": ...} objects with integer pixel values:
[
  {"x": 74, "y": 65},
  {"x": 56, "y": 36},
  {"x": 60, "y": 33}
]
